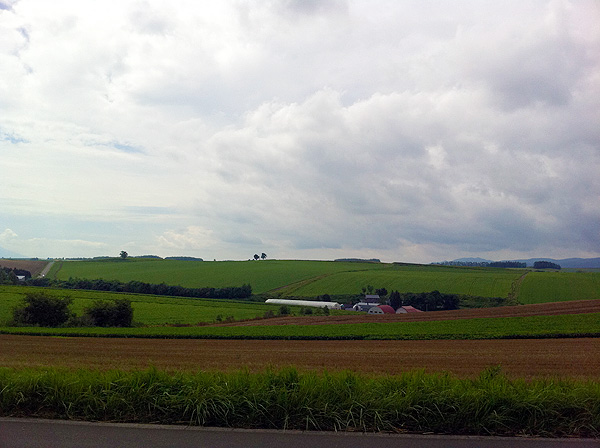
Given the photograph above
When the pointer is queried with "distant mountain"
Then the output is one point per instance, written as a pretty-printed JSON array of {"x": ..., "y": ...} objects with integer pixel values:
[{"x": 5, "y": 253}]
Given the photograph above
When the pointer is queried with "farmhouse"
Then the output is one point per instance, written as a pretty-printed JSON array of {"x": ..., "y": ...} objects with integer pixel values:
[{"x": 313, "y": 303}]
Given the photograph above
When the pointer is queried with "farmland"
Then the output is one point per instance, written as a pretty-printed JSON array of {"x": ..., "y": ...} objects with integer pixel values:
[
  {"x": 148, "y": 310},
  {"x": 263, "y": 276},
  {"x": 541, "y": 287},
  {"x": 570, "y": 325},
  {"x": 312, "y": 278},
  {"x": 525, "y": 358},
  {"x": 88, "y": 373}
]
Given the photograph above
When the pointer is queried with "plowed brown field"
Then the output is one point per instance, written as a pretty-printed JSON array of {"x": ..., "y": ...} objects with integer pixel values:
[
  {"x": 579, "y": 358},
  {"x": 33, "y": 266},
  {"x": 538, "y": 309}
]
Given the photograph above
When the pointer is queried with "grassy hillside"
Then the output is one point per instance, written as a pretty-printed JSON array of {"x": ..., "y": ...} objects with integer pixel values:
[
  {"x": 148, "y": 310},
  {"x": 262, "y": 275},
  {"x": 472, "y": 281},
  {"x": 539, "y": 287},
  {"x": 312, "y": 278}
]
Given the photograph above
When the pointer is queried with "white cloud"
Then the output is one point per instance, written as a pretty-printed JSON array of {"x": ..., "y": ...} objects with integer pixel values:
[{"x": 307, "y": 128}]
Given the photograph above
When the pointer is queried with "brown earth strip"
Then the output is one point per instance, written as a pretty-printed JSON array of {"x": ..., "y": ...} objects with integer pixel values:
[
  {"x": 352, "y": 317},
  {"x": 578, "y": 358},
  {"x": 33, "y": 266}
]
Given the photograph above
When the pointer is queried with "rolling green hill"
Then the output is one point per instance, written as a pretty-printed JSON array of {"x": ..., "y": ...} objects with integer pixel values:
[
  {"x": 289, "y": 278},
  {"x": 262, "y": 275}
]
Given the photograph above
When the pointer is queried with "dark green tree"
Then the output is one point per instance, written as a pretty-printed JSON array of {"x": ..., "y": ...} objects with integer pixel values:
[
  {"x": 263, "y": 255},
  {"x": 256, "y": 257},
  {"x": 103, "y": 313},
  {"x": 395, "y": 300},
  {"x": 123, "y": 254},
  {"x": 41, "y": 309}
]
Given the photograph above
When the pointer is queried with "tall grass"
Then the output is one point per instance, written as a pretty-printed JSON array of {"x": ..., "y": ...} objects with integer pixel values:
[{"x": 288, "y": 399}]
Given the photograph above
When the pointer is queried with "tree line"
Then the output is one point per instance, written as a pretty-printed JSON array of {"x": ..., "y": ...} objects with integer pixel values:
[
  {"x": 137, "y": 287},
  {"x": 425, "y": 301}
]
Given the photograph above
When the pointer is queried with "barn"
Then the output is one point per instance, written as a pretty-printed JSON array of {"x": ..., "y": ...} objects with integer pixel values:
[
  {"x": 407, "y": 309},
  {"x": 382, "y": 309}
]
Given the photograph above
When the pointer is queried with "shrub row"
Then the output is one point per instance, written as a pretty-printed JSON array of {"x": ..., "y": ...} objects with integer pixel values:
[
  {"x": 40, "y": 309},
  {"x": 229, "y": 292}
]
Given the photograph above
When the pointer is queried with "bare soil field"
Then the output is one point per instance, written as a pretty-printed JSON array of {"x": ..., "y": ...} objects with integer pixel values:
[
  {"x": 33, "y": 266},
  {"x": 538, "y": 309},
  {"x": 529, "y": 358}
]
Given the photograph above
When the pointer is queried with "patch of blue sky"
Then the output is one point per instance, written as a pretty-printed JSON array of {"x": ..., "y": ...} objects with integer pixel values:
[
  {"x": 12, "y": 138},
  {"x": 150, "y": 210},
  {"x": 126, "y": 148}
]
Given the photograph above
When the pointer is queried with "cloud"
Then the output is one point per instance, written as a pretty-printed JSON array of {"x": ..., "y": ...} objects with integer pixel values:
[
  {"x": 7, "y": 235},
  {"x": 302, "y": 128}
]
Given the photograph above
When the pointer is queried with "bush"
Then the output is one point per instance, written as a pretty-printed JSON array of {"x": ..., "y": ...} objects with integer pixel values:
[
  {"x": 43, "y": 310},
  {"x": 110, "y": 314},
  {"x": 284, "y": 310}
]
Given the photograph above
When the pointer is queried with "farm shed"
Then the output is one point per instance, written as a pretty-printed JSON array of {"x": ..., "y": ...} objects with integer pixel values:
[
  {"x": 407, "y": 309},
  {"x": 364, "y": 306},
  {"x": 313, "y": 303},
  {"x": 371, "y": 298},
  {"x": 382, "y": 309}
]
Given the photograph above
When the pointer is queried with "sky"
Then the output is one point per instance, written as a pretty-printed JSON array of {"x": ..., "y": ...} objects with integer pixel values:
[{"x": 413, "y": 131}]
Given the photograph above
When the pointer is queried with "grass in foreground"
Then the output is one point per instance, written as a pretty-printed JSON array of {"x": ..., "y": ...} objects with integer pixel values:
[
  {"x": 569, "y": 325},
  {"x": 287, "y": 399}
]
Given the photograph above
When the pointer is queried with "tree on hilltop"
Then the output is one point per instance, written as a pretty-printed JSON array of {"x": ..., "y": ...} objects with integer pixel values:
[
  {"x": 263, "y": 256},
  {"x": 123, "y": 254}
]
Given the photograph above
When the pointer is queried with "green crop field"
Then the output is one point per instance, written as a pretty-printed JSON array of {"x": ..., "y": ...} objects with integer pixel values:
[
  {"x": 530, "y": 326},
  {"x": 262, "y": 275},
  {"x": 478, "y": 282},
  {"x": 148, "y": 310},
  {"x": 312, "y": 278},
  {"x": 539, "y": 287}
]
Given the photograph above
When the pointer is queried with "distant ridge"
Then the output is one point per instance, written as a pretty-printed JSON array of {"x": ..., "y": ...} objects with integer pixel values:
[
  {"x": 568, "y": 263},
  {"x": 359, "y": 260}
]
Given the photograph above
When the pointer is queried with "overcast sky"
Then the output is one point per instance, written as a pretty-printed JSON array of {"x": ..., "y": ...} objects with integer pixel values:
[{"x": 413, "y": 131}]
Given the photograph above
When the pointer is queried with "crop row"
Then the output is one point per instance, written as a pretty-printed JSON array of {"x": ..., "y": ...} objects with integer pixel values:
[
  {"x": 572, "y": 325},
  {"x": 288, "y": 399}
]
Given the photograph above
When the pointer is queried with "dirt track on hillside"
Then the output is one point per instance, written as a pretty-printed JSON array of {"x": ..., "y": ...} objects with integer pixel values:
[
  {"x": 33, "y": 266},
  {"x": 539, "y": 309},
  {"x": 527, "y": 358}
]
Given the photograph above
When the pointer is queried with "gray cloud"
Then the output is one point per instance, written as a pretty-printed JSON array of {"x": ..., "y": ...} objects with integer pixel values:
[{"x": 309, "y": 128}]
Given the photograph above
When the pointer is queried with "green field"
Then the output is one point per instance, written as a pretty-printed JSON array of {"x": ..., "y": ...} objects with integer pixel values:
[
  {"x": 539, "y": 287},
  {"x": 262, "y": 275},
  {"x": 298, "y": 278},
  {"x": 469, "y": 281},
  {"x": 530, "y": 327},
  {"x": 148, "y": 310}
]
